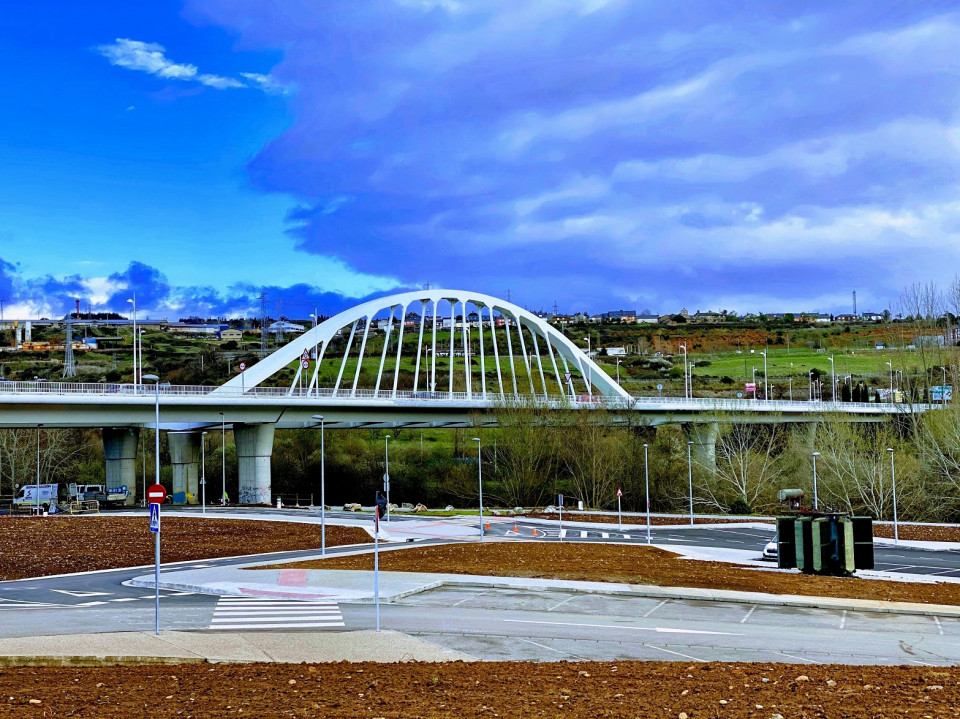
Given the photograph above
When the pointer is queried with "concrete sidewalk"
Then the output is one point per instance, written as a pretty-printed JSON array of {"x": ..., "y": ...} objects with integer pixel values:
[{"x": 171, "y": 647}]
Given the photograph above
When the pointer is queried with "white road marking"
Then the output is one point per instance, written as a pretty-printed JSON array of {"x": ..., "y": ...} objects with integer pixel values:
[
  {"x": 467, "y": 599},
  {"x": 742, "y": 621},
  {"x": 125, "y": 599},
  {"x": 563, "y": 533},
  {"x": 274, "y": 613},
  {"x": 655, "y": 608},
  {"x": 678, "y": 654},
  {"x": 583, "y": 534},
  {"x": 626, "y": 536},
  {"x": 843, "y": 618},
  {"x": 82, "y": 594},
  {"x": 621, "y": 627},
  {"x": 558, "y": 604},
  {"x": 604, "y": 535},
  {"x": 89, "y": 604},
  {"x": 802, "y": 659},
  {"x": 939, "y": 627},
  {"x": 544, "y": 646}
]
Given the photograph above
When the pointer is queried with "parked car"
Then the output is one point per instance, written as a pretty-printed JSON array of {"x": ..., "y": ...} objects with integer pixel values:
[{"x": 770, "y": 550}]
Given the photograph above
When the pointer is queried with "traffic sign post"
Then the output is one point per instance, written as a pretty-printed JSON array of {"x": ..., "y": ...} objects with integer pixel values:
[
  {"x": 376, "y": 560},
  {"x": 560, "y": 506},
  {"x": 155, "y": 496},
  {"x": 619, "y": 514}
]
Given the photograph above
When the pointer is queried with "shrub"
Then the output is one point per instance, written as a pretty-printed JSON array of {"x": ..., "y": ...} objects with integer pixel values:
[{"x": 740, "y": 506}]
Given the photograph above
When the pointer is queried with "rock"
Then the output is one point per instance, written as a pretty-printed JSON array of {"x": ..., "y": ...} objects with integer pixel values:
[
  {"x": 831, "y": 683},
  {"x": 587, "y": 674},
  {"x": 448, "y": 508},
  {"x": 352, "y": 507},
  {"x": 802, "y": 678},
  {"x": 392, "y": 507},
  {"x": 933, "y": 687},
  {"x": 494, "y": 512},
  {"x": 682, "y": 715},
  {"x": 776, "y": 716},
  {"x": 36, "y": 701},
  {"x": 723, "y": 702},
  {"x": 406, "y": 505},
  {"x": 549, "y": 510},
  {"x": 518, "y": 510},
  {"x": 420, "y": 508}
]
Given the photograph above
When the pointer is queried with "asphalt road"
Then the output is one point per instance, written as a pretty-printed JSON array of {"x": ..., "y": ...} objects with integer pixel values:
[{"x": 506, "y": 624}]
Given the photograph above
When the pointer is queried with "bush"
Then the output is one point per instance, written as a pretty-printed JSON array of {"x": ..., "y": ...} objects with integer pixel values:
[{"x": 740, "y": 506}]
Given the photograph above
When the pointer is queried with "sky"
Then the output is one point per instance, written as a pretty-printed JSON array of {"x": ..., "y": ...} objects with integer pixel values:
[{"x": 596, "y": 154}]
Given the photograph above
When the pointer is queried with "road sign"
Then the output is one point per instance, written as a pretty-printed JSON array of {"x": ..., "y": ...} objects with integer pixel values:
[
  {"x": 560, "y": 500},
  {"x": 156, "y": 494},
  {"x": 659, "y": 387},
  {"x": 386, "y": 482},
  {"x": 739, "y": 395},
  {"x": 154, "y": 517},
  {"x": 305, "y": 355},
  {"x": 619, "y": 492},
  {"x": 305, "y": 363},
  {"x": 243, "y": 366}
]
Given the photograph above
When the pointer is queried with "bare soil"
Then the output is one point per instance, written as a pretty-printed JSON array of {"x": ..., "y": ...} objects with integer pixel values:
[
  {"x": 631, "y": 565},
  {"x": 480, "y": 689},
  {"x": 40, "y": 546},
  {"x": 923, "y": 533}
]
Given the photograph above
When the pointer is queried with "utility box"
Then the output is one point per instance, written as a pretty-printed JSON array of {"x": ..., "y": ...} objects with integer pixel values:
[{"x": 825, "y": 543}]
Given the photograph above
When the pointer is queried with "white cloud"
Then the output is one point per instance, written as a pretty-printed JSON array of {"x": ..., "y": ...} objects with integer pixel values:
[{"x": 150, "y": 57}]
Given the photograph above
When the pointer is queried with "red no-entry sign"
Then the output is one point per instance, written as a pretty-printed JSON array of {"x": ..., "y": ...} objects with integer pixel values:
[{"x": 156, "y": 494}]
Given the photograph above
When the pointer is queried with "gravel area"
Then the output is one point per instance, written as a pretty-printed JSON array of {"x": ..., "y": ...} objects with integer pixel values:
[
  {"x": 40, "y": 546},
  {"x": 668, "y": 690},
  {"x": 631, "y": 565}
]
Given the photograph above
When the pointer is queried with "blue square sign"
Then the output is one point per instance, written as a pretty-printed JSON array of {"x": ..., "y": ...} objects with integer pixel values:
[{"x": 154, "y": 517}]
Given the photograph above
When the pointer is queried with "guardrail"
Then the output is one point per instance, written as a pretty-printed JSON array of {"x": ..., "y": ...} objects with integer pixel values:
[{"x": 677, "y": 404}]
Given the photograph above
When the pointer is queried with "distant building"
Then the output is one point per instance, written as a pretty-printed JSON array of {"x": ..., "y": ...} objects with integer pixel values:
[
  {"x": 647, "y": 319},
  {"x": 627, "y": 317},
  {"x": 285, "y": 328},
  {"x": 616, "y": 351},
  {"x": 709, "y": 317},
  {"x": 871, "y": 316},
  {"x": 231, "y": 335},
  {"x": 845, "y": 318}
]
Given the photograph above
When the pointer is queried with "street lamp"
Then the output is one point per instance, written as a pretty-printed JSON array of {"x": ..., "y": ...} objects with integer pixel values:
[
  {"x": 893, "y": 482},
  {"x": 692, "y": 365},
  {"x": 203, "y": 473},
  {"x": 766, "y": 386},
  {"x": 646, "y": 478},
  {"x": 480, "y": 483},
  {"x": 323, "y": 490},
  {"x": 890, "y": 365},
  {"x": 816, "y": 503},
  {"x": 618, "y": 370},
  {"x": 790, "y": 381},
  {"x": 386, "y": 474},
  {"x": 690, "y": 479},
  {"x": 810, "y": 386},
  {"x": 38, "y": 468},
  {"x": 754, "y": 383},
  {"x": 833, "y": 372},
  {"x": 589, "y": 369},
  {"x": 140, "y": 349},
  {"x": 223, "y": 460},
  {"x": 683, "y": 347},
  {"x": 134, "y": 303}
]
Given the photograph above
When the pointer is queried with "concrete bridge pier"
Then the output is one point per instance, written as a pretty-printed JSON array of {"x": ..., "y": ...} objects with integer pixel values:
[
  {"x": 704, "y": 450},
  {"x": 185, "y": 459},
  {"x": 254, "y": 448},
  {"x": 120, "y": 453}
]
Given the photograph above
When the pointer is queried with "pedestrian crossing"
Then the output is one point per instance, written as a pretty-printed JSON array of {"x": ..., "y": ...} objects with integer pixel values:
[{"x": 232, "y": 613}]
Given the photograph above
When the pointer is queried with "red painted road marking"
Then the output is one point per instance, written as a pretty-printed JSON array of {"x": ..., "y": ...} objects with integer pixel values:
[{"x": 293, "y": 578}]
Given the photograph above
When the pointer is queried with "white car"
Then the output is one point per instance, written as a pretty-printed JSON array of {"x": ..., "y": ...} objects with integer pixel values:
[{"x": 770, "y": 550}]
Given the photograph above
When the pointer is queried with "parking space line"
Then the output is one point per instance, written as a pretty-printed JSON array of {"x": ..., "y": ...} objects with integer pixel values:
[
  {"x": 843, "y": 618},
  {"x": 583, "y": 534},
  {"x": 655, "y": 608},
  {"x": 802, "y": 659},
  {"x": 472, "y": 596},
  {"x": 748, "y": 614},
  {"x": 544, "y": 646},
  {"x": 604, "y": 535},
  {"x": 558, "y": 604},
  {"x": 939, "y": 627},
  {"x": 923, "y": 664},
  {"x": 678, "y": 654}
]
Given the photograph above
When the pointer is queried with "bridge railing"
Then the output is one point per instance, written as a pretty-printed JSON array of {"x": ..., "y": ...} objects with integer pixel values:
[{"x": 667, "y": 404}]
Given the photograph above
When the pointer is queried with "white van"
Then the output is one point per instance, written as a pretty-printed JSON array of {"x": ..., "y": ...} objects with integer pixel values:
[{"x": 43, "y": 495}]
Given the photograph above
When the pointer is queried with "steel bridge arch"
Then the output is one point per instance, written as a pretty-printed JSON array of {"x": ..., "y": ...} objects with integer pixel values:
[{"x": 562, "y": 361}]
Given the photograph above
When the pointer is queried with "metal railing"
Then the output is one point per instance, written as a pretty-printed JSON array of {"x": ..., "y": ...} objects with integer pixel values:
[{"x": 667, "y": 404}]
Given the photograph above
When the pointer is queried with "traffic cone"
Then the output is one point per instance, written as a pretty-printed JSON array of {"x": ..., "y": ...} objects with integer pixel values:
[
  {"x": 487, "y": 526},
  {"x": 533, "y": 531},
  {"x": 515, "y": 528}
]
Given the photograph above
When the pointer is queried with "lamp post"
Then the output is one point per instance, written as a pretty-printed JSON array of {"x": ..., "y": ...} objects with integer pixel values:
[
  {"x": 480, "y": 483},
  {"x": 134, "y": 303},
  {"x": 646, "y": 479},
  {"x": 893, "y": 483},
  {"x": 754, "y": 380},
  {"x": 203, "y": 473},
  {"x": 790, "y": 381},
  {"x": 683, "y": 348},
  {"x": 38, "y": 468},
  {"x": 618, "y": 370},
  {"x": 810, "y": 386},
  {"x": 140, "y": 351},
  {"x": 816, "y": 503},
  {"x": 589, "y": 369},
  {"x": 323, "y": 490},
  {"x": 690, "y": 478},
  {"x": 766, "y": 386},
  {"x": 386, "y": 474},
  {"x": 692, "y": 365},
  {"x": 833, "y": 373},
  {"x": 890, "y": 365},
  {"x": 223, "y": 460}
]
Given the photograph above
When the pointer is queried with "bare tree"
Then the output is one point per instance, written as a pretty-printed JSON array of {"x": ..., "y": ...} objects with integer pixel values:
[{"x": 593, "y": 453}]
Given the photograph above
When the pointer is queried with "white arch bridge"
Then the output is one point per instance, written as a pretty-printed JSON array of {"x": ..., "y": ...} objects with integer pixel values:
[{"x": 433, "y": 358}]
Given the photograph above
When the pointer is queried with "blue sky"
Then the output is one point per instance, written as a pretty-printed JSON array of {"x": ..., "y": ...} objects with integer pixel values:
[{"x": 597, "y": 153}]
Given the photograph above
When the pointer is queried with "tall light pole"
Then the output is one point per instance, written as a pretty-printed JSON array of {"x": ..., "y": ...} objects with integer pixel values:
[
  {"x": 754, "y": 381},
  {"x": 810, "y": 386},
  {"x": 223, "y": 460},
  {"x": 683, "y": 348},
  {"x": 323, "y": 490},
  {"x": 766, "y": 386},
  {"x": 690, "y": 478},
  {"x": 480, "y": 483},
  {"x": 618, "y": 370},
  {"x": 38, "y": 467},
  {"x": 589, "y": 369},
  {"x": 790, "y": 381},
  {"x": 646, "y": 478},
  {"x": 692, "y": 365},
  {"x": 890, "y": 365},
  {"x": 156, "y": 480},
  {"x": 134, "y": 303},
  {"x": 203, "y": 472},
  {"x": 386, "y": 474},
  {"x": 833, "y": 373},
  {"x": 893, "y": 483},
  {"x": 816, "y": 503}
]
